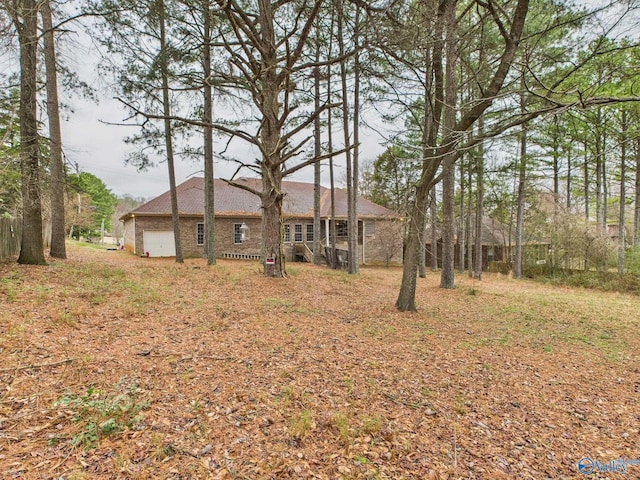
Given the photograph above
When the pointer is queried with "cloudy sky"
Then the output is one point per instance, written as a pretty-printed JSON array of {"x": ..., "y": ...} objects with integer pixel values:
[{"x": 98, "y": 147}]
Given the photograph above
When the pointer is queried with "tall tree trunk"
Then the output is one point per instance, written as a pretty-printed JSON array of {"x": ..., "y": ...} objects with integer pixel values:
[
  {"x": 209, "y": 183},
  {"x": 32, "y": 247},
  {"x": 522, "y": 179},
  {"x": 470, "y": 244},
  {"x": 587, "y": 179},
  {"x": 569, "y": 178},
  {"x": 599, "y": 175},
  {"x": 406, "y": 301},
  {"x": 462, "y": 222},
  {"x": 56, "y": 164},
  {"x": 433, "y": 217},
  {"x": 317, "y": 147},
  {"x": 332, "y": 185},
  {"x": 354, "y": 266},
  {"x": 352, "y": 225},
  {"x": 447, "y": 276},
  {"x": 168, "y": 130},
  {"x": 636, "y": 203},
  {"x": 479, "y": 206},
  {"x": 556, "y": 162},
  {"x": 623, "y": 194}
]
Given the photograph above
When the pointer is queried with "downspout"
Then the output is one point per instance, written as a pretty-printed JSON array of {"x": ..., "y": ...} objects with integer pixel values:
[
  {"x": 135, "y": 235},
  {"x": 363, "y": 241}
]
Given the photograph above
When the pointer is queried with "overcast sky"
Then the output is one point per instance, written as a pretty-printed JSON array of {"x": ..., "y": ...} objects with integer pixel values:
[{"x": 99, "y": 148}]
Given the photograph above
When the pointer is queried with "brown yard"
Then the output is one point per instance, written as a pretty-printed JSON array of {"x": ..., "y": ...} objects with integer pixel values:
[{"x": 115, "y": 367}]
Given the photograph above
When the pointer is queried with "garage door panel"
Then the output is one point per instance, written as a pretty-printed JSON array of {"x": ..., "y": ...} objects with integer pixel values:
[{"x": 159, "y": 243}]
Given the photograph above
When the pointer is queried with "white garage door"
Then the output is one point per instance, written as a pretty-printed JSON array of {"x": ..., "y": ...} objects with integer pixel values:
[{"x": 159, "y": 243}]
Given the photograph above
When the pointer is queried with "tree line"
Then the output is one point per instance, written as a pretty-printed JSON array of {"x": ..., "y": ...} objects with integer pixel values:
[{"x": 293, "y": 80}]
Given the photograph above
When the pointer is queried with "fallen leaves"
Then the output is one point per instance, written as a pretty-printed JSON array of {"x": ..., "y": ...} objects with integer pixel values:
[{"x": 315, "y": 376}]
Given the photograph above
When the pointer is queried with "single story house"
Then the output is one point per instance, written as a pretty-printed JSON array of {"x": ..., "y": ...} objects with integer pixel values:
[{"x": 148, "y": 229}]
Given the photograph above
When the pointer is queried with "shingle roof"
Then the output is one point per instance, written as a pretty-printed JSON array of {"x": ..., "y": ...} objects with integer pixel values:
[{"x": 233, "y": 201}]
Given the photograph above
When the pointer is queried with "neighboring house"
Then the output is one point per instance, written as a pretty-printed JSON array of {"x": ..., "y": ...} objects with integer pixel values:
[
  {"x": 148, "y": 229},
  {"x": 498, "y": 245}
]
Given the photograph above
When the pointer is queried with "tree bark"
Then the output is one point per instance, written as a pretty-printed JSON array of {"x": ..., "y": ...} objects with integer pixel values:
[
  {"x": 433, "y": 215},
  {"x": 209, "y": 184},
  {"x": 478, "y": 264},
  {"x": 32, "y": 246},
  {"x": 636, "y": 203},
  {"x": 317, "y": 147},
  {"x": 623, "y": 178},
  {"x": 168, "y": 131},
  {"x": 522, "y": 181},
  {"x": 406, "y": 301},
  {"x": 56, "y": 164},
  {"x": 447, "y": 278}
]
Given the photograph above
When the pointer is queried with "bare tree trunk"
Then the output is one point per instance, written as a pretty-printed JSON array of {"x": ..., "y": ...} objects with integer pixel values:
[
  {"x": 422, "y": 260},
  {"x": 462, "y": 222},
  {"x": 479, "y": 208},
  {"x": 32, "y": 246},
  {"x": 168, "y": 131},
  {"x": 354, "y": 266},
  {"x": 406, "y": 301},
  {"x": 470, "y": 243},
  {"x": 623, "y": 198},
  {"x": 332, "y": 221},
  {"x": 569, "y": 179},
  {"x": 209, "y": 183},
  {"x": 352, "y": 225},
  {"x": 447, "y": 277},
  {"x": 58, "y": 237},
  {"x": 317, "y": 147},
  {"x": 522, "y": 179},
  {"x": 636, "y": 203},
  {"x": 433, "y": 215}
]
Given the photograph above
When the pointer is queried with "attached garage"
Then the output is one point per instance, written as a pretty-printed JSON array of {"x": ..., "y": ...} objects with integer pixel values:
[{"x": 159, "y": 243}]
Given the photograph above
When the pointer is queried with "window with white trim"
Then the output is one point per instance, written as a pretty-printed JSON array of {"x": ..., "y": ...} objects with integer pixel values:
[
  {"x": 287, "y": 232},
  {"x": 200, "y": 234},
  {"x": 309, "y": 232},
  {"x": 237, "y": 233},
  {"x": 297, "y": 232}
]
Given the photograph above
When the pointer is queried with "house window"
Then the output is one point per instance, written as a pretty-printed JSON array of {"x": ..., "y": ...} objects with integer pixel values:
[
  {"x": 287, "y": 233},
  {"x": 297, "y": 233},
  {"x": 237, "y": 233},
  {"x": 309, "y": 232},
  {"x": 200, "y": 234},
  {"x": 341, "y": 228}
]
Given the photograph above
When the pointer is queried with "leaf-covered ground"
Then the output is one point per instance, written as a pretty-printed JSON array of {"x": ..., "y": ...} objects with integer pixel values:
[{"x": 119, "y": 367}]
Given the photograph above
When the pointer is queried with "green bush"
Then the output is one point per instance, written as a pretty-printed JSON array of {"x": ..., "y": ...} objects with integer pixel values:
[
  {"x": 632, "y": 260},
  {"x": 499, "y": 267}
]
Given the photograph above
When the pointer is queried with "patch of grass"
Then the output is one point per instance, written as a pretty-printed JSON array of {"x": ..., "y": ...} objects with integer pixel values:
[
  {"x": 340, "y": 422},
  {"x": 371, "y": 425},
  {"x": 301, "y": 424},
  {"x": 97, "y": 415}
]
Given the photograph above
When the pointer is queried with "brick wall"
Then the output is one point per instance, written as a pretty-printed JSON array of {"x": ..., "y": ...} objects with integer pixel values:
[{"x": 383, "y": 243}]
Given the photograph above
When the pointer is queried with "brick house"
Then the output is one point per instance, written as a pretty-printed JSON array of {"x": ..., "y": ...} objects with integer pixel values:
[{"x": 148, "y": 229}]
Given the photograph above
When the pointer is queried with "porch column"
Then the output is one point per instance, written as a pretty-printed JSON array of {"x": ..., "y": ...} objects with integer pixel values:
[{"x": 327, "y": 231}]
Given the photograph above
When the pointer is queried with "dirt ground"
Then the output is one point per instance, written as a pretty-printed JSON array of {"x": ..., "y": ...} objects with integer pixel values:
[{"x": 118, "y": 367}]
